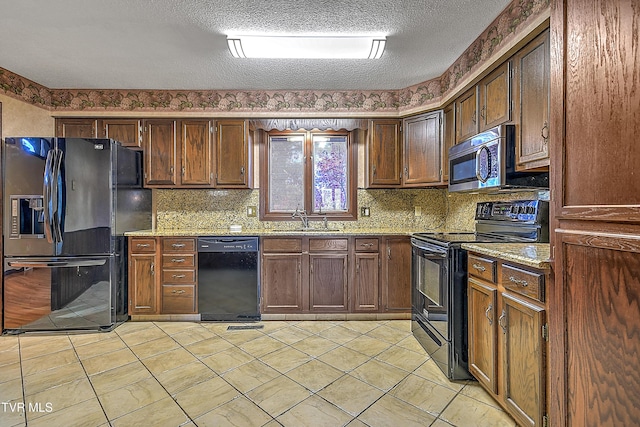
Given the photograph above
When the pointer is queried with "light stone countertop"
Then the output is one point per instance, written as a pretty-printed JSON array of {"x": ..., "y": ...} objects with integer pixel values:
[
  {"x": 271, "y": 232},
  {"x": 531, "y": 254}
]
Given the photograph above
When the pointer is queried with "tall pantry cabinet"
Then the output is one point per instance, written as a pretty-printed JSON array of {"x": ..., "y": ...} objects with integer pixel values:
[{"x": 594, "y": 304}]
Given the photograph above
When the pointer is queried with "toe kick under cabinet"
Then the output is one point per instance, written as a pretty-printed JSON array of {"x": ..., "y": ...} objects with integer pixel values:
[
  {"x": 508, "y": 335},
  {"x": 162, "y": 275}
]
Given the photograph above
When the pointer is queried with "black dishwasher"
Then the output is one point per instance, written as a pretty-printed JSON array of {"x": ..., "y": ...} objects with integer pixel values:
[{"x": 228, "y": 279}]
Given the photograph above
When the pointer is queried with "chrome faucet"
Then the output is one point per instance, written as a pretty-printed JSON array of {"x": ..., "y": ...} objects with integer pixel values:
[{"x": 302, "y": 214}]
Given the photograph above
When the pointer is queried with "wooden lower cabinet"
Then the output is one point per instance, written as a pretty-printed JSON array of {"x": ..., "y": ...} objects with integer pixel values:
[
  {"x": 328, "y": 282},
  {"x": 396, "y": 274},
  {"x": 281, "y": 290},
  {"x": 507, "y": 338},
  {"x": 332, "y": 274},
  {"x": 143, "y": 290},
  {"x": 162, "y": 276}
]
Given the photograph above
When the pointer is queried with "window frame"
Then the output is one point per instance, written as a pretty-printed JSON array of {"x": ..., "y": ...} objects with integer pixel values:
[{"x": 350, "y": 214}]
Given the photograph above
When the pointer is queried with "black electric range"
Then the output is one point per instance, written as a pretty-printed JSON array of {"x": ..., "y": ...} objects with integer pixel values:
[{"x": 439, "y": 276}]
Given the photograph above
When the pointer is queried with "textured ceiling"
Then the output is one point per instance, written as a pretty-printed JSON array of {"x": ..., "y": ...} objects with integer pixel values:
[{"x": 181, "y": 44}]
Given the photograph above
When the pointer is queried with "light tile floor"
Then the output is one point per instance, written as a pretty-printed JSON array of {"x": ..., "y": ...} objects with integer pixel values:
[{"x": 295, "y": 373}]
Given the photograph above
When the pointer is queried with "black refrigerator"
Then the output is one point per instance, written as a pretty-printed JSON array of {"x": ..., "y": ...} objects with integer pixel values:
[{"x": 67, "y": 204}]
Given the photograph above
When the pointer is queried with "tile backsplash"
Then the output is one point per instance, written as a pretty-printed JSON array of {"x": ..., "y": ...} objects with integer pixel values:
[{"x": 389, "y": 209}]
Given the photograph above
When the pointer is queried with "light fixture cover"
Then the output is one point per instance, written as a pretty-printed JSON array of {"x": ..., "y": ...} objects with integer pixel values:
[{"x": 309, "y": 47}]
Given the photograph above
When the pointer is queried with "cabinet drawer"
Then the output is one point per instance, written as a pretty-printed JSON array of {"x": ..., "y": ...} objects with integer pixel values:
[
  {"x": 178, "y": 276},
  {"x": 178, "y": 260},
  {"x": 524, "y": 282},
  {"x": 281, "y": 245},
  {"x": 178, "y": 299},
  {"x": 143, "y": 245},
  {"x": 367, "y": 245},
  {"x": 483, "y": 268},
  {"x": 180, "y": 244},
  {"x": 328, "y": 245}
]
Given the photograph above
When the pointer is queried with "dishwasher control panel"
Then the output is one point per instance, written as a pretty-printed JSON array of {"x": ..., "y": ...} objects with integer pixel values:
[{"x": 228, "y": 244}]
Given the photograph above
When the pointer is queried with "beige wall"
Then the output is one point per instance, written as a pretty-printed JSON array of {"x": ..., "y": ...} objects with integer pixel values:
[{"x": 22, "y": 119}]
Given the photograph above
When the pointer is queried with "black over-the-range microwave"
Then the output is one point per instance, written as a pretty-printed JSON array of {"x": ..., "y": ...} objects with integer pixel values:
[{"x": 486, "y": 162}]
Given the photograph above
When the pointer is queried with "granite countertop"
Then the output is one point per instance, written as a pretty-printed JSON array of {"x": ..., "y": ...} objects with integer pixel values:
[
  {"x": 531, "y": 254},
  {"x": 271, "y": 232}
]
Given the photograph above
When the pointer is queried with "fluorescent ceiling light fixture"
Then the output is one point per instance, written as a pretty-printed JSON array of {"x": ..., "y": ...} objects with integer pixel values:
[{"x": 308, "y": 47}]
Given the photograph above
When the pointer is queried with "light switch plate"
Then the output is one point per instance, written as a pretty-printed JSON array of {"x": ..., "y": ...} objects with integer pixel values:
[
  {"x": 417, "y": 210},
  {"x": 365, "y": 211},
  {"x": 252, "y": 211}
]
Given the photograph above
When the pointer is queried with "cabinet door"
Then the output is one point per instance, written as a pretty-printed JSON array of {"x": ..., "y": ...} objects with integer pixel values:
[
  {"x": 127, "y": 131},
  {"x": 422, "y": 144},
  {"x": 495, "y": 100},
  {"x": 366, "y": 283},
  {"x": 143, "y": 295},
  {"x": 196, "y": 142},
  {"x": 232, "y": 154},
  {"x": 523, "y": 350},
  {"x": 531, "y": 99},
  {"x": 483, "y": 346},
  {"x": 160, "y": 152},
  {"x": 384, "y": 154},
  {"x": 281, "y": 285},
  {"x": 448, "y": 138},
  {"x": 77, "y": 128},
  {"x": 328, "y": 282},
  {"x": 396, "y": 281},
  {"x": 467, "y": 114}
]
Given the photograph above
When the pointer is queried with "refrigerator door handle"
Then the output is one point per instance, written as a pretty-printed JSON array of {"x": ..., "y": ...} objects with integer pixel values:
[
  {"x": 46, "y": 194},
  {"x": 69, "y": 263},
  {"x": 56, "y": 213}
]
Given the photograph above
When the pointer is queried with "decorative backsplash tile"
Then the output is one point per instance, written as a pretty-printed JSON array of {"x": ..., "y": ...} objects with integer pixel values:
[{"x": 390, "y": 209}]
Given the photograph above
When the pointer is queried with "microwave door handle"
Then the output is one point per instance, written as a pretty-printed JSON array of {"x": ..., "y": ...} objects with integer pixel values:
[{"x": 46, "y": 194}]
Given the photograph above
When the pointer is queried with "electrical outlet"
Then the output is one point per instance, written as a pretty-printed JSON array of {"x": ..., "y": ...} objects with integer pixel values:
[
  {"x": 251, "y": 211},
  {"x": 365, "y": 211},
  {"x": 417, "y": 210}
]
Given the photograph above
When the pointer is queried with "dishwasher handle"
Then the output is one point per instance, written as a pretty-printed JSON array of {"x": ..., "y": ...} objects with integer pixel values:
[{"x": 227, "y": 244}]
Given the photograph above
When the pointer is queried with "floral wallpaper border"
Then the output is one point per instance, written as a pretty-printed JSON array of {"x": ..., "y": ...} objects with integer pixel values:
[{"x": 506, "y": 27}]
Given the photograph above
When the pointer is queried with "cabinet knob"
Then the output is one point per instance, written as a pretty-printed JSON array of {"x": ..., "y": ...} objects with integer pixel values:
[{"x": 242, "y": 170}]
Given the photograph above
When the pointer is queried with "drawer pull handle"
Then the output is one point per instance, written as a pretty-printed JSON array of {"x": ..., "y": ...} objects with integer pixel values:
[
  {"x": 177, "y": 259},
  {"x": 522, "y": 282},
  {"x": 142, "y": 245},
  {"x": 179, "y": 276},
  {"x": 178, "y": 245},
  {"x": 180, "y": 291},
  {"x": 486, "y": 313},
  {"x": 479, "y": 267},
  {"x": 366, "y": 245},
  {"x": 502, "y": 321}
]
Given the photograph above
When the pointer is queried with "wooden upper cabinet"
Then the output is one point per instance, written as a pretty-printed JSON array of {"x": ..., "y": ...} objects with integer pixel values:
[
  {"x": 485, "y": 105},
  {"x": 196, "y": 152},
  {"x": 467, "y": 114},
  {"x": 531, "y": 103},
  {"x": 422, "y": 150},
  {"x": 77, "y": 128},
  {"x": 384, "y": 153},
  {"x": 126, "y": 131},
  {"x": 160, "y": 152},
  {"x": 448, "y": 138},
  {"x": 495, "y": 99},
  {"x": 233, "y": 166}
]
